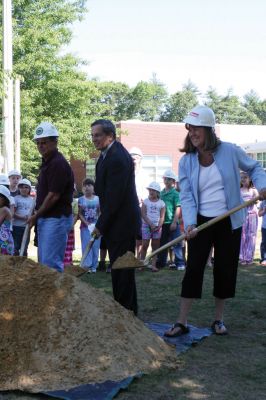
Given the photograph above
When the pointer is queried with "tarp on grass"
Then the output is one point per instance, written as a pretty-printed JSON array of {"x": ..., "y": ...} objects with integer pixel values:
[{"x": 109, "y": 389}]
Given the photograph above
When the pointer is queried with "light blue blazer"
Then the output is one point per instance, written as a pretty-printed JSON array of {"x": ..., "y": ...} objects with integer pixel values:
[{"x": 230, "y": 159}]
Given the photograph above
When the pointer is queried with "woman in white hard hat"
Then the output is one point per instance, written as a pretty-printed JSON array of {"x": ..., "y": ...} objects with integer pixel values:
[
  {"x": 6, "y": 239},
  {"x": 210, "y": 185}
]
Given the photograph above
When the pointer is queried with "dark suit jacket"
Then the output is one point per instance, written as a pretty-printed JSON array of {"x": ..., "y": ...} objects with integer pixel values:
[{"x": 115, "y": 186}]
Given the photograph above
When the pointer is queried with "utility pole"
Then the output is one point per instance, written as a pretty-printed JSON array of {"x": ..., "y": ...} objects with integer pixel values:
[
  {"x": 17, "y": 124},
  {"x": 8, "y": 118}
]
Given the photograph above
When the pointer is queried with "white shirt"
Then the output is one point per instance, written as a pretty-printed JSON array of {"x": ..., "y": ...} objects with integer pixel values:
[
  {"x": 153, "y": 210},
  {"x": 212, "y": 200}
]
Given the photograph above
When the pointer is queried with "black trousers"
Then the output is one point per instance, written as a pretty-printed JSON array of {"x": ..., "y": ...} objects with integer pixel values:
[
  {"x": 226, "y": 244},
  {"x": 123, "y": 281}
]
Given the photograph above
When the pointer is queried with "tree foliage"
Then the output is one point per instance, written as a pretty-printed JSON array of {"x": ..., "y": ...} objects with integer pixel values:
[
  {"x": 228, "y": 109},
  {"x": 54, "y": 89}
]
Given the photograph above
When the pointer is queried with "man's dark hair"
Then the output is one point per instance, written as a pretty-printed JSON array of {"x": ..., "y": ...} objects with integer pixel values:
[
  {"x": 107, "y": 126},
  {"x": 87, "y": 181}
]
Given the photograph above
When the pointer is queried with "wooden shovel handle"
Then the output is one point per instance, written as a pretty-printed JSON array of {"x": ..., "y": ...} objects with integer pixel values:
[
  {"x": 201, "y": 227},
  {"x": 87, "y": 250},
  {"x": 27, "y": 230}
]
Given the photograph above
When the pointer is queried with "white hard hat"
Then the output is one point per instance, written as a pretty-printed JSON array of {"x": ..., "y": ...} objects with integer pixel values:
[
  {"x": 24, "y": 181},
  {"x": 4, "y": 180},
  {"x": 154, "y": 186},
  {"x": 169, "y": 173},
  {"x": 14, "y": 172},
  {"x": 5, "y": 192},
  {"x": 201, "y": 116},
  {"x": 45, "y": 129},
  {"x": 136, "y": 151}
]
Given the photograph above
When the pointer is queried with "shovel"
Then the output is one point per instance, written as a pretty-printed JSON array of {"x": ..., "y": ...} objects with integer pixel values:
[
  {"x": 128, "y": 260},
  {"x": 26, "y": 231},
  {"x": 86, "y": 252}
]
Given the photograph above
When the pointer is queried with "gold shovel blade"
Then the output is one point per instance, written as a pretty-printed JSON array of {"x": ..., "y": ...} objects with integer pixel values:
[{"x": 127, "y": 261}]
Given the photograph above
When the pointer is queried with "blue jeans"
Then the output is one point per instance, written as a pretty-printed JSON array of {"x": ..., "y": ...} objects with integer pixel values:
[
  {"x": 52, "y": 240},
  {"x": 167, "y": 236},
  {"x": 17, "y": 234},
  {"x": 92, "y": 258},
  {"x": 263, "y": 244}
]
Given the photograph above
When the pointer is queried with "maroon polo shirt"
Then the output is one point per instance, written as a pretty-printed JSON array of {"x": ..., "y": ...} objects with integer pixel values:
[{"x": 56, "y": 176}]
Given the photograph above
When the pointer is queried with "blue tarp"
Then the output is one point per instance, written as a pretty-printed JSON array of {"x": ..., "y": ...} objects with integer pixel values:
[
  {"x": 183, "y": 342},
  {"x": 109, "y": 389}
]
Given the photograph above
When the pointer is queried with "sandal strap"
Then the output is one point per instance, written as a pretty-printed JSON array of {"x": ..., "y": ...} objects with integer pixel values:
[
  {"x": 219, "y": 324},
  {"x": 183, "y": 328}
]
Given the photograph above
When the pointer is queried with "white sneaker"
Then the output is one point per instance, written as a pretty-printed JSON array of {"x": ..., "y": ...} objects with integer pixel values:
[{"x": 181, "y": 268}]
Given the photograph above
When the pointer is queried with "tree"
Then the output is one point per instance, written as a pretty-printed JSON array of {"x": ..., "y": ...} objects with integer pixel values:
[
  {"x": 228, "y": 109},
  {"x": 254, "y": 104},
  {"x": 146, "y": 100},
  {"x": 52, "y": 88},
  {"x": 179, "y": 105}
]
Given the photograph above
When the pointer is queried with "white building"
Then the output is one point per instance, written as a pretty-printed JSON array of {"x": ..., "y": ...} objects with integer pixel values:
[{"x": 252, "y": 138}]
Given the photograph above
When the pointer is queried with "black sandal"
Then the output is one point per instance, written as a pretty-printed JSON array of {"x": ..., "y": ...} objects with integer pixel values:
[
  {"x": 181, "y": 331},
  {"x": 218, "y": 325}
]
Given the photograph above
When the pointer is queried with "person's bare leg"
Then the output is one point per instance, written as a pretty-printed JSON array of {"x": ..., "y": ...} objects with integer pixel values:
[
  {"x": 219, "y": 308},
  {"x": 155, "y": 244},
  {"x": 138, "y": 249},
  {"x": 219, "y": 329},
  {"x": 185, "y": 306}
]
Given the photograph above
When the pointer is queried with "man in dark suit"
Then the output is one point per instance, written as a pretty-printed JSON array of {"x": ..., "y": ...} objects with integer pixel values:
[{"x": 120, "y": 220}]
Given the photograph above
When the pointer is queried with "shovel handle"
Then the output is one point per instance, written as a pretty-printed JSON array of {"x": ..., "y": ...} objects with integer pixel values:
[
  {"x": 26, "y": 231},
  {"x": 202, "y": 226},
  {"x": 87, "y": 250}
]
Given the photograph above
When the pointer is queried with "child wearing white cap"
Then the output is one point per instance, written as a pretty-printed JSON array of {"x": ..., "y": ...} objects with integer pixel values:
[
  {"x": 14, "y": 177},
  {"x": 152, "y": 212},
  {"x": 23, "y": 210}
]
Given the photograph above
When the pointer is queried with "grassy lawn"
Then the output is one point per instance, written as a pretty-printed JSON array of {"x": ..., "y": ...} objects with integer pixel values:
[{"x": 223, "y": 368}]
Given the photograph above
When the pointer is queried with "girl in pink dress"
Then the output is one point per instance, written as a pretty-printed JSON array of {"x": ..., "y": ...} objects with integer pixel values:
[{"x": 250, "y": 226}]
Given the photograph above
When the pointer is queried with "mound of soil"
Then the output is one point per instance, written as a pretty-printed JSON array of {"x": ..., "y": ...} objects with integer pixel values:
[{"x": 59, "y": 332}]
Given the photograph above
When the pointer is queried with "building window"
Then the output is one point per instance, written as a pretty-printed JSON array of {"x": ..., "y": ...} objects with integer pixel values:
[
  {"x": 154, "y": 167},
  {"x": 261, "y": 157},
  {"x": 90, "y": 168}
]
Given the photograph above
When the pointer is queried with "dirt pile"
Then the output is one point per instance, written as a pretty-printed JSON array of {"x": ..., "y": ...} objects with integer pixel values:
[{"x": 59, "y": 332}]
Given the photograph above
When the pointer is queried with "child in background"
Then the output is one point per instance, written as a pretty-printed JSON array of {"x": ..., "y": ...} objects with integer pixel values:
[
  {"x": 22, "y": 211},
  {"x": 250, "y": 226},
  {"x": 14, "y": 177},
  {"x": 89, "y": 210},
  {"x": 68, "y": 257},
  {"x": 152, "y": 212},
  {"x": 262, "y": 213},
  {"x": 171, "y": 228},
  {"x": 5, "y": 182},
  {"x": 6, "y": 239}
]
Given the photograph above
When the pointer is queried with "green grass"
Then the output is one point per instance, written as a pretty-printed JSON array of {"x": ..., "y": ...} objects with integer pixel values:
[{"x": 222, "y": 368}]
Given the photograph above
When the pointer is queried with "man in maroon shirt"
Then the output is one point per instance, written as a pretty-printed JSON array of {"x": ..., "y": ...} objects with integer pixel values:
[{"x": 55, "y": 188}]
